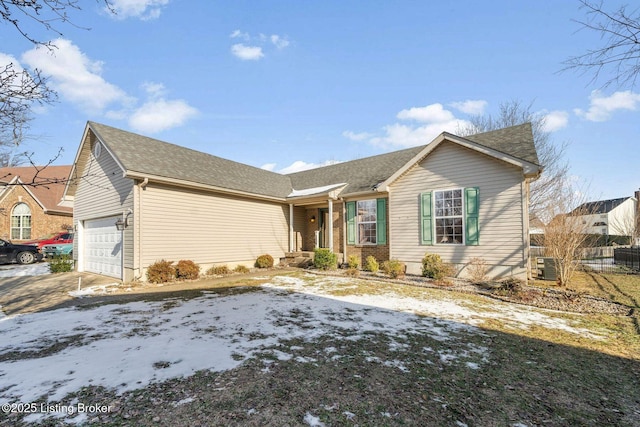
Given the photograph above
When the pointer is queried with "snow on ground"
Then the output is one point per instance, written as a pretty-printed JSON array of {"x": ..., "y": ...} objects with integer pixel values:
[
  {"x": 128, "y": 346},
  {"x": 518, "y": 317},
  {"x": 14, "y": 270}
]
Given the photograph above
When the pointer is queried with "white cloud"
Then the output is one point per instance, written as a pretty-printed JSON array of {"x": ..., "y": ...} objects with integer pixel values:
[
  {"x": 143, "y": 9},
  {"x": 434, "y": 119},
  {"x": 160, "y": 114},
  {"x": 254, "y": 47},
  {"x": 268, "y": 166},
  {"x": 75, "y": 76},
  {"x": 247, "y": 53},
  {"x": 399, "y": 135},
  {"x": 239, "y": 34},
  {"x": 433, "y": 113},
  {"x": 279, "y": 42},
  {"x": 473, "y": 107},
  {"x": 555, "y": 120},
  {"x": 602, "y": 107},
  {"x": 356, "y": 136},
  {"x": 154, "y": 90}
]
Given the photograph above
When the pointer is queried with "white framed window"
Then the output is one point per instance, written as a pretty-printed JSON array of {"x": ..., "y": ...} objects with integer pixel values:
[
  {"x": 21, "y": 222},
  {"x": 366, "y": 222},
  {"x": 449, "y": 216}
]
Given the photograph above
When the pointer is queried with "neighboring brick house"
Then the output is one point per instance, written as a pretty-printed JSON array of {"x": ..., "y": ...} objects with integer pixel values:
[{"x": 29, "y": 198}]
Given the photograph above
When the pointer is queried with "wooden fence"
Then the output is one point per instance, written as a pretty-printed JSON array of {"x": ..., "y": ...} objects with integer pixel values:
[{"x": 583, "y": 253}]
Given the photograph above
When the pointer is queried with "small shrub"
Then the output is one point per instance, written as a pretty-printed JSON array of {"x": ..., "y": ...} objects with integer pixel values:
[
  {"x": 372, "y": 264},
  {"x": 511, "y": 284},
  {"x": 433, "y": 267},
  {"x": 187, "y": 270},
  {"x": 241, "y": 269},
  {"x": 61, "y": 264},
  {"x": 353, "y": 261},
  {"x": 353, "y": 272},
  {"x": 324, "y": 259},
  {"x": 394, "y": 268},
  {"x": 219, "y": 270},
  {"x": 161, "y": 272},
  {"x": 477, "y": 270},
  {"x": 264, "y": 261}
]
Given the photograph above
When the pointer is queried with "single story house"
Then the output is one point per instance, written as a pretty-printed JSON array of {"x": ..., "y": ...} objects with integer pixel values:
[
  {"x": 458, "y": 197},
  {"x": 29, "y": 197}
]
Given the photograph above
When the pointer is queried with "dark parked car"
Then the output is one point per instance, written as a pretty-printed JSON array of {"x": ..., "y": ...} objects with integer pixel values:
[{"x": 22, "y": 254}]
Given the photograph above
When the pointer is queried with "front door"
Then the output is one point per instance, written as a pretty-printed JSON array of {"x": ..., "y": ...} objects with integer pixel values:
[{"x": 324, "y": 228}]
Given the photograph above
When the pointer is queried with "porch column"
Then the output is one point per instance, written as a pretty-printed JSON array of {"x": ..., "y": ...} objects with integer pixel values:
[
  {"x": 291, "y": 234},
  {"x": 331, "y": 225}
]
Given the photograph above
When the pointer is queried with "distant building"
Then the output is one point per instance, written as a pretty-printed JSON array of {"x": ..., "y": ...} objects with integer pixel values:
[
  {"x": 613, "y": 217},
  {"x": 29, "y": 198}
]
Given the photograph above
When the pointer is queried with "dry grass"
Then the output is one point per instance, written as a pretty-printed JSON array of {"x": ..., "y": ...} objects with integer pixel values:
[{"x": 532, "y": 376}]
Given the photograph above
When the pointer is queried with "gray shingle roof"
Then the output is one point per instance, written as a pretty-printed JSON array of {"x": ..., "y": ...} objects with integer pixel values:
[
  {"x": 361, "y": 174},
  {"x": 516, "y": 141},
  {"x": 599, "y": 207},
  {"x": 153, "y": 157},
  {"x": 150, "y": 156}
]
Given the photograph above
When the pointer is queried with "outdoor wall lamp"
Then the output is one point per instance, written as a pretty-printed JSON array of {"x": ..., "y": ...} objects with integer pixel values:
[
  {"x": 123, "y": 222},
  {"x": 313, "y": 219}
]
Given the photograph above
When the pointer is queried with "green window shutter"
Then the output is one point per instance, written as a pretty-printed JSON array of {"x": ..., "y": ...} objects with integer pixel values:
[
  {"x": 426, "y": 227},
  {"x": 381, "y": 221},
  {"x": 351, "y": 223},
  {"x": 471, "y": 196}
]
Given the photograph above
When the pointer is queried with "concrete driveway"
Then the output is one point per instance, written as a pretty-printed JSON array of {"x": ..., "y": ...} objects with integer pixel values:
[{"x": 23, "y": 294}]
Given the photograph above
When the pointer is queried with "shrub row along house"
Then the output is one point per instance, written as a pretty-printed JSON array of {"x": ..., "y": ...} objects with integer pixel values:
[{"x": 458, "y": 197}]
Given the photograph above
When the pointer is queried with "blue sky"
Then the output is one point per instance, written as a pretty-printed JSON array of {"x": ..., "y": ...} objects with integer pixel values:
[{"x": 291, "y": 84}]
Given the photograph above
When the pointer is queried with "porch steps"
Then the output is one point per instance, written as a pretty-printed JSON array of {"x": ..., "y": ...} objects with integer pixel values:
[
  {"x": 297, "y": 259},
  {"x": 302, "y": 259}
]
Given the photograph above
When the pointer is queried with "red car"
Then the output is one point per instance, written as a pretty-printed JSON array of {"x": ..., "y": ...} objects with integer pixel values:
[{"x": 59, "y": 238}]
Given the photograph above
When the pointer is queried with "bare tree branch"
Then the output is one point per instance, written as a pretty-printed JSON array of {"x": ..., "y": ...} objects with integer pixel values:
[
  {"x": 619, "y": 53},
  {"x": 551, "y": 155}
]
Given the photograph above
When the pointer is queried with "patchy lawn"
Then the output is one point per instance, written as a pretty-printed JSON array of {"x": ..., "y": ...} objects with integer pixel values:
[{"x": 301, "y": 349}]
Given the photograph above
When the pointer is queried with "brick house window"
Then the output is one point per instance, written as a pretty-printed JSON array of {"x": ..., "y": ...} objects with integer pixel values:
[
  {"x": 21, "y": 222},
  {"x": 367, "y": 222}
]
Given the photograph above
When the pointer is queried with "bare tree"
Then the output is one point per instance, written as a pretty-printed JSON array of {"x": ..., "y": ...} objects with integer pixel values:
[
  {"x": 566, "y": 233},
  {"x": 20, "y": 89},
  {"x": 619, "y": 52},
  {"x": 550, "y": 154}
]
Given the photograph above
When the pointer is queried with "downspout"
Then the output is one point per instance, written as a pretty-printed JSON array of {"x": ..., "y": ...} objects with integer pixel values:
[{"x": 138, "y": 224}]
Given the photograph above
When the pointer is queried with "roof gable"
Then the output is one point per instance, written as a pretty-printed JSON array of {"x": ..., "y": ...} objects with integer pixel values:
[
  {"x": 148, "y": 156},
  {"x": 45, "y": 183}
]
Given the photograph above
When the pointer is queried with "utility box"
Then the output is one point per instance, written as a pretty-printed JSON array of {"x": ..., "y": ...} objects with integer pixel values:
[{"x": 546, "y": 268}]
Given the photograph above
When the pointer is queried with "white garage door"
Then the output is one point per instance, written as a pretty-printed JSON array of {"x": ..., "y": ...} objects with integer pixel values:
[{"x": 103, "y": 247}]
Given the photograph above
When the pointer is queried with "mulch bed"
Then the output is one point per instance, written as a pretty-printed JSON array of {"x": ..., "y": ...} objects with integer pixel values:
[{"x": 552, "y": 299}]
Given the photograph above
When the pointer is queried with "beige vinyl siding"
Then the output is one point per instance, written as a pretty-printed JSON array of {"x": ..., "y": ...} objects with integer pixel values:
[
  {"x": 299, "y": 226},
  {"x": 102, "y": 192},
  {"x": 501, "y": 214},
  {"x": 209, "y": 228}
]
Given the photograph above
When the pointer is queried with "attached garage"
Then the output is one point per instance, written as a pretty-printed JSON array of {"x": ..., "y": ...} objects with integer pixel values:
[{"x": 103, "y": 247}]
